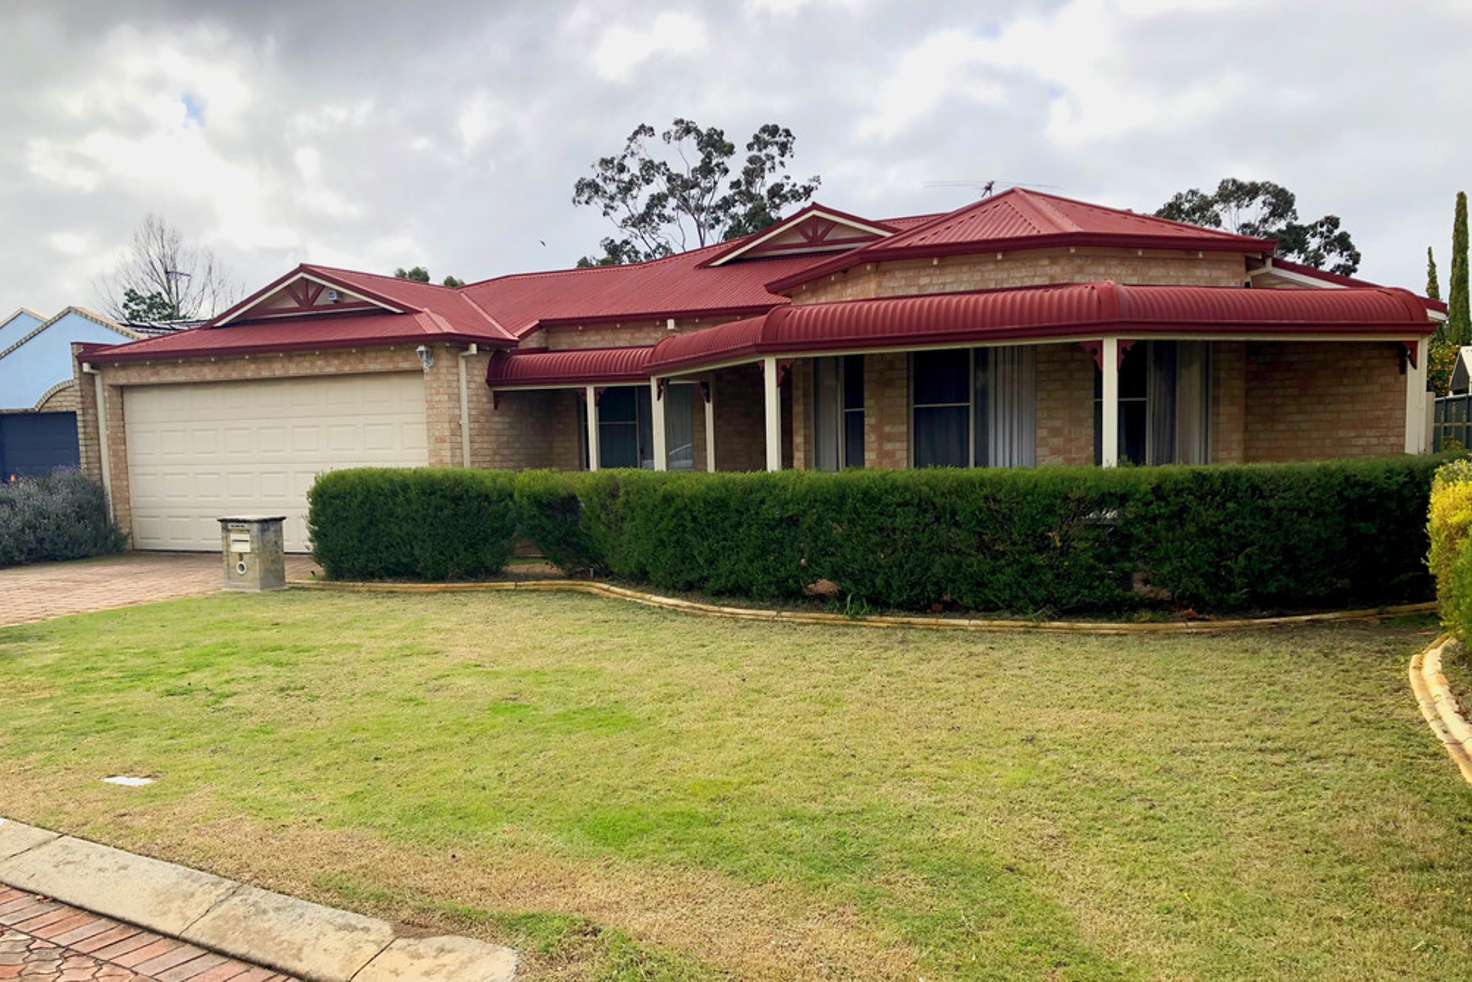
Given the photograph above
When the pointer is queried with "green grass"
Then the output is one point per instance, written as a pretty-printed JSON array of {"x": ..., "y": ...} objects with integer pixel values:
[{"x": 627, "y": 793}]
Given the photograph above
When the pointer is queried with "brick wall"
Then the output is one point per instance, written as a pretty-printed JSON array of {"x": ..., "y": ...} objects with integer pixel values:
[
  {"x": 1308, "y": 401},
  {"x": 1228, "y": 402},
  {"x": 62, "y": 399},
  {"x": 1030, "y": 268},
  {"x": 887, "y": 410},
  {"x": 618, "y": 335},
  {"x": 1065, "y": 405}
]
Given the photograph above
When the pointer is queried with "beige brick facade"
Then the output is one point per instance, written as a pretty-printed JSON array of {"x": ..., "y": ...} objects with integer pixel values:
[
  {"x": 1013, "y": 269},
  {"x": 1308, "y": 401}
]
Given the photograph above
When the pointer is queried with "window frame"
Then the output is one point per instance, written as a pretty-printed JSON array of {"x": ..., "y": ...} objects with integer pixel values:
[{"x": 970, "y": 404}]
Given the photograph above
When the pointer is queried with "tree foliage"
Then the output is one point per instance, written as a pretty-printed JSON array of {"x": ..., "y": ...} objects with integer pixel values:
[
  {"x": 1458, "y": 317},
  {"x": 421, "y": 275},
  {"x": 1266, "y": 210},
  {"x": 675, "y": 190},
  {"x": 161, "y": 277},
  {"x": 1433, "y": 286}
]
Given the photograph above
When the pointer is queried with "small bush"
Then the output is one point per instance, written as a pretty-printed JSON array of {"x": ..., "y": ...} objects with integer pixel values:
[
  {"x": 425, "y": 524},
  {"x": 61, "y": 516},
  {"x": 1451, "y": 548}
]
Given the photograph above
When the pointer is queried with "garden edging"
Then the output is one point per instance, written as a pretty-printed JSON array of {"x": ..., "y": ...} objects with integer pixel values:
[
  {"x": 1439, "y": 706},
  {"x": 921, "y": 621}
]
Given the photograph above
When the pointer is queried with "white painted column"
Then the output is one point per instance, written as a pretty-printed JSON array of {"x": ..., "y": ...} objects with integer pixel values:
[
  {"x": 592, "y": 414},
  {"x": 773, "y": 411},
  {"x": 1109, "y": 366},
  {"x": 710, "y": 426},
  {"x": 656, "y": 408},
  {"x": 100, "y": 392},
  {"x": 1416, "y": 401}
]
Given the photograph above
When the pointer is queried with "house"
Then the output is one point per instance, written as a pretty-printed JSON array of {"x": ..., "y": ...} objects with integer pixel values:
[
  {"x": 38, "y": 393},
  {"x": 1024, "y": 329}
]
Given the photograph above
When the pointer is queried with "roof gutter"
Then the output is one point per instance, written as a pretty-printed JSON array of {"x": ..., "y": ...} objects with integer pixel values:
[{"x": 138, "y": 352}]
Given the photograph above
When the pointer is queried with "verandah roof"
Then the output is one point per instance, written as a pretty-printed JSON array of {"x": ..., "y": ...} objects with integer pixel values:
[{"x": 1047, "y": 312}]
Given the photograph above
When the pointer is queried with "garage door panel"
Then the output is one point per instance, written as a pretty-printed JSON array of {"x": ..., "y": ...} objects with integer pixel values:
[{"x": 196, "y": 452}]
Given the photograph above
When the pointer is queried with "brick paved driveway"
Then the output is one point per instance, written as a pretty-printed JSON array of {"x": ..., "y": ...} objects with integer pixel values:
[
  {"x": 47, "y": 590},
  {"x": 45, "y": 941}
]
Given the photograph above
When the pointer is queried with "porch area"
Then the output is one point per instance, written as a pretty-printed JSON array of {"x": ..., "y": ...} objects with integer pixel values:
[{"x": 981, "y": 380}]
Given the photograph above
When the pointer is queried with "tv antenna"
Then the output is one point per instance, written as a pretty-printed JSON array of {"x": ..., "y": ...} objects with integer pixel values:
[{"x": 985, "y": 188}]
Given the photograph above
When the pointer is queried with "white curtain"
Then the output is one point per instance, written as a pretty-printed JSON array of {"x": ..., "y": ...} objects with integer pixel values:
[
  {"x": 825, "y": 414},
  {"x": 1011, "y": 406},
  {"x": 1192, "y": 408},
  {"x": 679, "y": 426}
]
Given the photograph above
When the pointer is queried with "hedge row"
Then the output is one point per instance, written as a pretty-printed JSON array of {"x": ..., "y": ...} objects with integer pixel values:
[
  {"x": 1451, "y": 545},
  {"x": 424, "y": 524},
  {"x": 61, "y": 516},
  {"x": 1024, "y": 541}
]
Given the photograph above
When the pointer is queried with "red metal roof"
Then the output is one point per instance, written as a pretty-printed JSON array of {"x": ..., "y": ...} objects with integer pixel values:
[
  {"x": 577, "y": 366},
  {"x": 1046, "y": 312},
  {"x": 1018, "y": 218},
  {"x": 676, "y": 286},
  {"x": 348, "y": 330}
]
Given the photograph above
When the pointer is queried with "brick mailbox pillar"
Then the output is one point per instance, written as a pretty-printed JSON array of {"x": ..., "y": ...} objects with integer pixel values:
[{"x": 255, "y": 560}]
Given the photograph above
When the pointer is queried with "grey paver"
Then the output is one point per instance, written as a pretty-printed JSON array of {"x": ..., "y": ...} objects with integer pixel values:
[
  {"x": 302, "y": 937},
  {"x": 117, "y": 884},
  {"x": 16, "y": 837},
  {"x": 442, "y": 959}
]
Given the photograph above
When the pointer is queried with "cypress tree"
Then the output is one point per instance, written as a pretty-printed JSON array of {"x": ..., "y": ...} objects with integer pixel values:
[
  {"x": 1458, "y": 317},
  {"x": 1433, "y": 288}
]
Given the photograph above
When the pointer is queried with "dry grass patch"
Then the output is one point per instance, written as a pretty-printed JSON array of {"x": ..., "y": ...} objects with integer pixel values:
[{"x": 629, "y": 793}]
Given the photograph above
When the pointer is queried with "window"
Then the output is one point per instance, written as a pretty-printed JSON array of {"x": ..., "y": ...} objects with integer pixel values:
[
  {"x": 974, "y": 407},
  {"x": 625, "y": 428},
  {"x": 1163, "y": 404},
  {"x": 838, "y": 412}
]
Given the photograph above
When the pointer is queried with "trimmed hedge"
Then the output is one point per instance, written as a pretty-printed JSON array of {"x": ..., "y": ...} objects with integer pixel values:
[
  {"x": 1451, "y": 546},
  {"x": 60, "y": 516},
  {"x": 1041, "y": 541},
  {"x": 1025, "y": 541},
  {"x": 423, "y": 524}
]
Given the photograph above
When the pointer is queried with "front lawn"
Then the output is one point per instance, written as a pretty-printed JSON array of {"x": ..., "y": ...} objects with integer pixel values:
[{"x": 629, "y": 793}]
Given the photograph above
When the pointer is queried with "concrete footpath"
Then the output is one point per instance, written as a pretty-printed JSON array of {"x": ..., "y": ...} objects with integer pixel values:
[{"x": 201, "y": 914}]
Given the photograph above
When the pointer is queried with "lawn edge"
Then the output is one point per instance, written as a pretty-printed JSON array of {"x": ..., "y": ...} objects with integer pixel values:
[
  {"x": 921, "y": 621},
  {"x": 1439, "y": 706}
]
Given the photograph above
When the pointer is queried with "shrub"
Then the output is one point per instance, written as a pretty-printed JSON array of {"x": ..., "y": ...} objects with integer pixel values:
[
  {"x": 1028, "y": 541},
  {"x": 1451, "y": 549},
  {"x": 379, "y": 523},
  {"x": 61, "y": 516}
]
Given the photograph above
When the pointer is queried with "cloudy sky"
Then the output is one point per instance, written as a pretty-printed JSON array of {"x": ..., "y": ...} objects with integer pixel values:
[{"x": 375, "y": 134}]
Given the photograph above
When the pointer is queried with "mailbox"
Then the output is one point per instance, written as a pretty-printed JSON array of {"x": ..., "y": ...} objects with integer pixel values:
[{"x": 255, "y": 559}]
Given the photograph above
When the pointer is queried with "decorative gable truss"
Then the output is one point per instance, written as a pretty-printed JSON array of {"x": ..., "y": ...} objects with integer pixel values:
[
  {"x": 814, "y": 229},
  {"x": 302, "y": 293}
]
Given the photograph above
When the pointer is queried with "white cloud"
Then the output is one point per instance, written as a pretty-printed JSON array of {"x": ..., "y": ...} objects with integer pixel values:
[
  {"x": 787, "y": 8},
  {"x": 621, "y": 49},
  {"x": 72, "y": 243},
  {"x": 1081, "y": 52},
  {"x": 478, "y": 119}
]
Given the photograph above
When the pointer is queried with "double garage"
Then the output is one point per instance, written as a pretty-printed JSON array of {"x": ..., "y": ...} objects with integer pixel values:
[{"x": 201, "y": 450}]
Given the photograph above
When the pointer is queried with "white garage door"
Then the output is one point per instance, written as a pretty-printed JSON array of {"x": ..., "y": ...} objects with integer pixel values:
[{"x": 200, "y": 451}]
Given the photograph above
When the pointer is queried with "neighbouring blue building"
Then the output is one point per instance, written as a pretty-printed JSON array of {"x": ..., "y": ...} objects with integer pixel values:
[{"x": 38, "y": 394}]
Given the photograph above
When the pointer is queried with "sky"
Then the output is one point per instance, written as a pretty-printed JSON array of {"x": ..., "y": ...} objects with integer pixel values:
[{"x": 374, "y": 135}]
